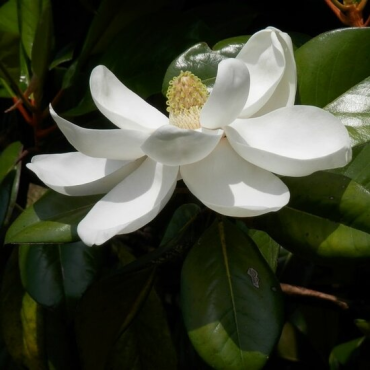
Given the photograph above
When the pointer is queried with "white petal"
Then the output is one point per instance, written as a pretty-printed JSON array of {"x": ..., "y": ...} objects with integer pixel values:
[
  {"x": 122, "y": 106},
  {"x": 131, "y": 204},
  {"x": 77, "y": 174},
  {"x": 284, "y": 94},
  {"x": 173, "y": 146},
  {"x": 265, "y": 58},
  {"x": 292, "y": 141},
  {"x": 229, "y": 185},
  {"x": 112, "y": 144},
  {"x": 228, "y": 95}
]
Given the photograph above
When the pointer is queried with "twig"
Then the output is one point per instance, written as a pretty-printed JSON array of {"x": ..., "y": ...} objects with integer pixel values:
[
  {"x": 293, "y": 290},
  {"x": 349, "y": 13}
]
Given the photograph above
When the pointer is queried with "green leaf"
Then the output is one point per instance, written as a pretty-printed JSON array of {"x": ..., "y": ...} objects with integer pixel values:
[
  {"x": 64, "y": 55},
  {"x": 30, "y": 12},
  {"x": 267, "y": 246},
  {"x": 142, "y": 67},
  {"x": 203, "y": 61},
  {"x": 9, "y": 17},
  {"x": 357, "y": 169},
  {"x": 9, "y": 157},
  {"x": 21, "y": 320},
  {"x": 327, "y": 219},
  {"x": 353, "y": 109},
  {"x": 9, "y": 46},
  {"x": 294, "y": 346},
  {"x": 363, "y": 325},
  {"x": 231, "y": 300},
  {"x": 8, "y": 194},
  {"x": 332, "y": 63},
  {"x": 111, "y": 17},
  {"x": 9, "y": 181},
  {"x": 59, "y": 274},
  {"x": 342, "y": 354},
  {"x": 106, "y": 310},
  {"x": 181, "y": 219},
  {"x": 231, "y": 46},
  {"x": 43, "y": 42},
  {"x": 35, "y": 337},
  {"x": 147, "y": 343},
  {"x": 181, "y": 233},
  {"x": 52, "y": 219}
]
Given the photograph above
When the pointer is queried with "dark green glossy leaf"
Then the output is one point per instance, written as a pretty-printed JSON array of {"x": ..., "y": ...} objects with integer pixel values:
[
  {"x": 52, "y": 219},
  {"x": 181, "y": 233},
  {"x": 267, "y": 246},
  {"x": 353, "y": 109},
  {"x": 147, "y": 343},
  {"x": 231, "y": 300},
  {"x": 203, "y": 61},
  {"x": 181, "y": 219},
  {"x": 231, "y": 46},
  {"x": 43, "y": 42},
  {"x": 200, "y": 60},
  {"x": 332, "y": 63},
  {"x": 106, "y": 310},
  {"x": 327, "y": 219},
  {"x": 357, "y": 169},
  {"x": 59, "y": 274}
]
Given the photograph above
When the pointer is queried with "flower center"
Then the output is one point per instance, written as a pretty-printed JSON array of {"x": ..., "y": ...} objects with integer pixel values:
[{"x": 186, "y": 96}]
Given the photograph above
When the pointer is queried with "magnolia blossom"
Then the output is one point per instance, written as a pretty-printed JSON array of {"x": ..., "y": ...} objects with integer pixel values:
[{"x": 226, "y": 145}]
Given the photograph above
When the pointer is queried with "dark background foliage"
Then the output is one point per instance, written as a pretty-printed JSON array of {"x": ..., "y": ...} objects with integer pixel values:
[{"x": 139, "y": 49}]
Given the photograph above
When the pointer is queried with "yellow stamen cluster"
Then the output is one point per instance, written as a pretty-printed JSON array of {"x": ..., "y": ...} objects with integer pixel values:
[{"x": 186, "y": 96}]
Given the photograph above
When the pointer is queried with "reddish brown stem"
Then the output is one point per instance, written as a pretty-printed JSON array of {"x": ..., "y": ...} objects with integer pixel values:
[
  {"x": 349, "y": 14},
  {"x": 293, "y": 290},
  {"x": 41, "y": 133}
]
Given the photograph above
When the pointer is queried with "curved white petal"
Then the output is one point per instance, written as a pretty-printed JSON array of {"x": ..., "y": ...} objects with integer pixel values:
[
  {"x": 228, "y": 96},
  {"x": 174, "y": 146},
  {"x": 285, "y": 92},
  {"x": 77, "y": 174},
  {"x": 229, "y": 185},
  {"x": 120, "y": 105},
  {"x": 265, "y": 58},
  {"x": 131, "y": 204},
  {"x": 112, "y": 144},
  {"x": 292, "y": 141}
]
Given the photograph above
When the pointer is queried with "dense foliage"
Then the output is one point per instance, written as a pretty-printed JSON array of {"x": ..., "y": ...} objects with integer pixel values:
[{"x": 295, "y": 281}]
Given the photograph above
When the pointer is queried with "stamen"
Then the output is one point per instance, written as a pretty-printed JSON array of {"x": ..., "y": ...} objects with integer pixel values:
[{"x": 186, "y": 96}]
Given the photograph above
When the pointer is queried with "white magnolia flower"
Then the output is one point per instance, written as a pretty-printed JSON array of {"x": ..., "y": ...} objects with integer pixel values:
[{"x": 225, "y": 146}]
